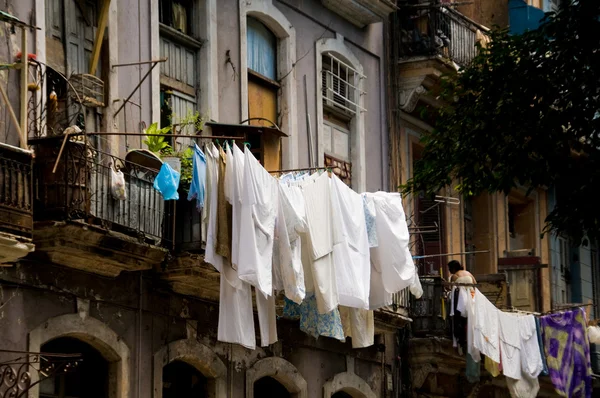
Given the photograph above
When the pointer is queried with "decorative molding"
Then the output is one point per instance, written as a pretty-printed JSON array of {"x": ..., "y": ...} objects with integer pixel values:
[
  {"x": 410, "y": 97},
  {"x": 275, "y": 20},
  {"x": 419, "y": 375},
  {"x": 95, "y": 333},
  {"x": 282, "y": 371},
  {"x": 349, "y": 383}
]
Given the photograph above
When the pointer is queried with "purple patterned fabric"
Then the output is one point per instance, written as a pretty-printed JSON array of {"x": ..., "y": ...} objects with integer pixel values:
[{"x": 567, "y": 352}]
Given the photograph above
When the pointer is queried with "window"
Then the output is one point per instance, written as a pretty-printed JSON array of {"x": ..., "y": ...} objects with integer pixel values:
[
  {"x": 179, "y": 75},
  {"x": 340, "y": 85},
  {"x": 263, "y": 89},
  {"x": 176, "y": 14}
]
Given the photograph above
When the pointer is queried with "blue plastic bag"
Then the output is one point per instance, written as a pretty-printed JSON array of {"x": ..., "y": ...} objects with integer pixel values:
[{"x": 167, "y": 182}]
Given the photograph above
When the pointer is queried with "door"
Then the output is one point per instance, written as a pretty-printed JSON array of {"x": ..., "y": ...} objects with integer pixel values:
[{"x": 522, "y": 285}]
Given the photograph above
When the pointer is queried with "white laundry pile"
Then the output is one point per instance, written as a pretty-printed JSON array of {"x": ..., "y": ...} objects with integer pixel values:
[{"x": 335, "y": 254}]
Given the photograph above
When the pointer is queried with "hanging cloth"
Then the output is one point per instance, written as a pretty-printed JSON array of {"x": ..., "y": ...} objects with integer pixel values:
[
  {"x": 351, "y": 257},
  {"x": 567, "y": 352},
  {"x": 259, "y": 201},
  {"x": 359, "y": 325},
  {"x": 312, "y": 322},
  {"x": 210, "y": 209},
  {"x": 525, "y": 387},
  {"x": 167, "y": 182},
  {"x": 198, "y": 184}
]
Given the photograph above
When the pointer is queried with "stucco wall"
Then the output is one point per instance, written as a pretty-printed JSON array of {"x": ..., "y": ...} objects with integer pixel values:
[{"x": 40, "y": 291}]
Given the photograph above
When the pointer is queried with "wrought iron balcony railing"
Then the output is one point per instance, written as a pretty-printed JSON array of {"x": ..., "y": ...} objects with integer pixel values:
[
  {"x": 427, "y": 31},
  {"x": 16, "y": 211},
  {"x": 80, "y": 189}
]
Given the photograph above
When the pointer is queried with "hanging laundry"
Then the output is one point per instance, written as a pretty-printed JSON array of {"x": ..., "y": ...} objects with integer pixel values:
[
  {"x": 510, "y": 344},
  {"x": 541, "y": 347},
  {"x": 370, "y": 217},
  {"x": 492, "y": 367},
  {"x": 167, "y": 182},
  {"x": 234, "y": 184},
  {"x": 317, "y": 199},
  {"x": 223, "y": 238},
  {"x": 351, "y": 256},
  {"x": 526, "y": 387},
  {"x": 485, "y": 334},
  {"x": 473, "y": 370},
  {"x": 265, "y": 306},
  {"x": 259, "y": 201},
  {"x": 290, "y": 223},
  {"x": 531, "y": 357},
  {"x": 359, "y": 325},
  {"x": 392, "y": 255},
  {"x": 236, "y": 318},
  {"x": 210, "y": 209},
  {"x": 198, "y": 184},
  {"x": 312, "y": 322},
  {"x": 567, "y": 352}
]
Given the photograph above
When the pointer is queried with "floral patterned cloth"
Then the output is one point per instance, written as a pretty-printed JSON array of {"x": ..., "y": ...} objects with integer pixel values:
[
  {"x": 370, "y": 213},
  {"x": 313, "y": 323}
]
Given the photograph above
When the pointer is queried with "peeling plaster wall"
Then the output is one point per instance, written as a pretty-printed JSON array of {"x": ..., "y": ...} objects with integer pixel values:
[{"x": 40, "y": 291}]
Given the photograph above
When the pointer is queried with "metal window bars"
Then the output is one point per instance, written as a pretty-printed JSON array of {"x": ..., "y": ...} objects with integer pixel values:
[{"x": 341, "y": 84}]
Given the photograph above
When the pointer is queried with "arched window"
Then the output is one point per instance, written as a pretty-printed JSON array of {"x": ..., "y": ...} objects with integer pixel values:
[
  {"x": 183, "y": 380},
  {"x": 88, "y": 379},
  {"x": 269, "y": 387},
  {"x": 262, "y": 49}
]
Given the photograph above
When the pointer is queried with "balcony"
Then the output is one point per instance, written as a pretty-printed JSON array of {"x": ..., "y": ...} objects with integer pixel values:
[
  {"x": 16, "y": 212},
  {"x": 436, "y": 32},
  {"x": 361, "y": 12},
  {"x": 430, "y": 312},
  {"x": 430, "y": 41},
  {"x": 78, "y": 222}
]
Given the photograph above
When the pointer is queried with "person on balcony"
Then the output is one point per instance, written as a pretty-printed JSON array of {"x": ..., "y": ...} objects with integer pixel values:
[{"x": 458, "y": 274}]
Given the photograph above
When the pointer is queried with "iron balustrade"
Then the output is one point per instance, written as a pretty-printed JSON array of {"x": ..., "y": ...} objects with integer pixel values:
[
  {"x": 436, "y": 31},
  {"x": 16, "y": 210},
  {"x": 80, "y": 189}
]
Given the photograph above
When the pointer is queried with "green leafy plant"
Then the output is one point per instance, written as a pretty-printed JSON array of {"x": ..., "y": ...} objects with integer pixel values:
[
  {"x": 157, "y": 144},
  {"x": 186, "y": 169}
]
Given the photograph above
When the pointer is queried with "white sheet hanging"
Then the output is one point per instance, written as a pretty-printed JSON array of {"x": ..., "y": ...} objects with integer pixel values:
[
  {"x": 235, "y": 158},
  {"x": 486, "y": 332},
  {"x": 236, "y": 317},
  {"x": 510, "y": 344},
  {"x": 259, "y": 201},
  {"x": 317, "y": 198},
  {"x": 392, "y": 256},
  {"x": 291, "y": 221},
  {"x": 351, "y": 256},
  {"x": 265, "y": 306}
]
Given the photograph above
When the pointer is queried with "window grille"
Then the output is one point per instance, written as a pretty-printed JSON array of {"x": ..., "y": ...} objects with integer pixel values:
[{"x": 340, "y": 85}]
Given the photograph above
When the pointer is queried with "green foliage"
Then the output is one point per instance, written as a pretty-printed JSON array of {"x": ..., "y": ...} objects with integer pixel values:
[
  {"x": 186, "y": 169},
  {"x": 157, "y": 143},
  {"x": 526, "y": 113}
]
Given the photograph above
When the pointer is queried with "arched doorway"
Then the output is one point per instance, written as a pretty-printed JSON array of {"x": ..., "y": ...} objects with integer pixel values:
[
  {"x": 87, "y": 379},
  {"x": 181, "y": 380},
  {"x": 269, "y": 387},
  {"x": 187, "y": 368},
  {"x": 276, "y": 376},
  {"x": 341, "y": 394}
]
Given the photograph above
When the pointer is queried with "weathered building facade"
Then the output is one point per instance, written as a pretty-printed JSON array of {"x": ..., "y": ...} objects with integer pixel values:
[{"x": 123, "y": 283}]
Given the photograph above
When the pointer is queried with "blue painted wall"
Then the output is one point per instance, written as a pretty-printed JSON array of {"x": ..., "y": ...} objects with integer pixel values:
[{"x": 522, "y": 17}]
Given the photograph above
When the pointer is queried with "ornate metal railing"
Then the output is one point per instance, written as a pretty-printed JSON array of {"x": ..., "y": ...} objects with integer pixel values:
[
  {"x": 28, "y": 369},
  {"x": 80, "y": 188},
  {"x": 16, "y": 212},
  {"x": 436, "y": 30}
]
